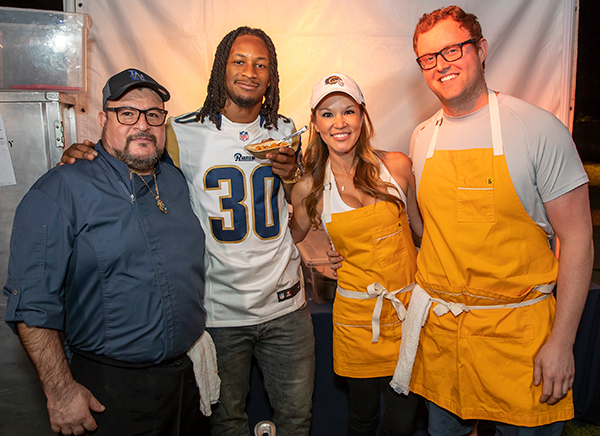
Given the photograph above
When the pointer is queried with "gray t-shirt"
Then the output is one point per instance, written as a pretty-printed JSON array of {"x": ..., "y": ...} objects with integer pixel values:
[{"x": 542, "y": 159}]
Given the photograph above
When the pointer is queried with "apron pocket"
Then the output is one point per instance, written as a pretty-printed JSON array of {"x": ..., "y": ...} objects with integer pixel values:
[
  {"x": 389, "y": 245},
  {"x": 501, "y": 324},
  {"x": 352, "y": 342},
  {"x": 475, "y": 201}
]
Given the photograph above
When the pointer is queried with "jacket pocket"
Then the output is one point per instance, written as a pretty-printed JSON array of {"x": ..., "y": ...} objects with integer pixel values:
[{"x": 27, "y": 254}]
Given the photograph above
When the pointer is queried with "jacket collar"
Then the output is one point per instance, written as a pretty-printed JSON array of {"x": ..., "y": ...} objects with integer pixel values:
[{"x": 118, "y": 166}]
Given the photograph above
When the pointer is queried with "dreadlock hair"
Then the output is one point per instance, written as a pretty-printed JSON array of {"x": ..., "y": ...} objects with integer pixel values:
[
  {"x": 216, "y": 94},
  {"x": 366, "y": 175}
]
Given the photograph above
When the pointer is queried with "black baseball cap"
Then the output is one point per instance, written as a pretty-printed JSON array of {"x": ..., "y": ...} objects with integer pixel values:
[{"x": 122, "y": 82}]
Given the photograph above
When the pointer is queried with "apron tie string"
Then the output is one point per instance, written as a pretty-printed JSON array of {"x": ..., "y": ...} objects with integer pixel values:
[
  {"x": 418, "y": 311},
  {"x": 444, "y": 307},
  {"x": 378, "y": 291}
]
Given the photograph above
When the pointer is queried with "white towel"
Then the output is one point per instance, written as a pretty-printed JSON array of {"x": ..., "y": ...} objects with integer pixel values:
[
  {"x": 418, "y": 310},
  {"x": 204, "y": 357}
]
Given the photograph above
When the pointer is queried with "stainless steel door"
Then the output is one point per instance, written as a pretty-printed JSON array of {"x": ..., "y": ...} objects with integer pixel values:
[{"x": 37, "y": 125}]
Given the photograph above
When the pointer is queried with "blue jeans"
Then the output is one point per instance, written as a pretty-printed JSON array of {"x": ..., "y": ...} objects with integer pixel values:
[
  {"x": 285, "y": 351},
  {"x": 445, "y": 423}
]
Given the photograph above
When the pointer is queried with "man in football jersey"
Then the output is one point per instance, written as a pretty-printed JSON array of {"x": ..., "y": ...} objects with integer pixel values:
[
  {"x": 253, "y": 296},
  {"x": 254, "y": 299}
]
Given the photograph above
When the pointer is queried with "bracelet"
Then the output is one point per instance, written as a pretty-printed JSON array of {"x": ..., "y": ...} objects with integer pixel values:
[{"x": 297, "y": 175}]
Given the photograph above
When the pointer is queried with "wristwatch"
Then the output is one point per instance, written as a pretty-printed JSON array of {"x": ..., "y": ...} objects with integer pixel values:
[{"x": 297, "y": 175}]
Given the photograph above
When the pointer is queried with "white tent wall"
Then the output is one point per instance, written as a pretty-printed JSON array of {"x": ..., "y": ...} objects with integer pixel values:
[{"x": 532, "y": 51}]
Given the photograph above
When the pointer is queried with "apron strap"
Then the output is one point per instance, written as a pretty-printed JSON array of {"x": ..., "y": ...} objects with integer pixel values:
[
  {"x": 443, "y": 307},
  {"x": 327, "y": 194},
  {"x": 377, "y": 290},
  {"x": 494, "y": 122},
  {"x": 436, "y": 132}
]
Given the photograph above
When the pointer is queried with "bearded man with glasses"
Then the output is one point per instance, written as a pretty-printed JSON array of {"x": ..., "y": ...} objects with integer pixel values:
[
  {"x": 105, "y": 252},
  {"x": 241, "y": 202},
  {"x": 497, "y": 179}
]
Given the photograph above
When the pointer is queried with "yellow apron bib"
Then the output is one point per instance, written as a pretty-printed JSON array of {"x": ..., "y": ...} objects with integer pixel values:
[
  {"x": 379, "y": 259},
  {"x": 481, "y": 248}
]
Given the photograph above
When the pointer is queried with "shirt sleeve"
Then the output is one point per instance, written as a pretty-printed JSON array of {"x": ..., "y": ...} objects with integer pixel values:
[
  {"x": 40, "y": 248},
  {"x": 558, "y": 166},
  {"x": 171, "y": 144}
]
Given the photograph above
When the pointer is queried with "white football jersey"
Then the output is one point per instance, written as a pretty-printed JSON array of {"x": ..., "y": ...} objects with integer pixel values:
[{"x": 250, "y": 255}]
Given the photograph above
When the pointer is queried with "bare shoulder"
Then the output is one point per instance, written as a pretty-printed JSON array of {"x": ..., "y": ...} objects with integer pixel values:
[
  {"x": 301, "y": 189},
  {"x": 396, "y": 159},
  {"x": 398, "y": 164},
  {"x": 304, "y": 185}
]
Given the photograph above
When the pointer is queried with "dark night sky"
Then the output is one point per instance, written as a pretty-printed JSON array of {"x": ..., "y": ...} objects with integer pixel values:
[{"x": 588, "y": 91}]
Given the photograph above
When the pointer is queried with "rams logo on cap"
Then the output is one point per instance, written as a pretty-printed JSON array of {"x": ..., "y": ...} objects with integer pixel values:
[{"x": 332, "y": 80}]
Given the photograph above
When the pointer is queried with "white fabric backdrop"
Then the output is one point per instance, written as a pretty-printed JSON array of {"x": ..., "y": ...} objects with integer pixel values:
[{"x": 531, "y": 55}]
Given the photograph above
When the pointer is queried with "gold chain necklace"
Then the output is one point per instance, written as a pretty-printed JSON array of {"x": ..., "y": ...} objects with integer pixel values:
[
  {"x": 340, "y": 176},
  {"x": 159, "y": 203}
]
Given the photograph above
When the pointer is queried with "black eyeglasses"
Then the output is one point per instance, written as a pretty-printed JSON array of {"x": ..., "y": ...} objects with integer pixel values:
[
  {"x": 450, "y": 54},
  {"x": 130, "y": 115}
]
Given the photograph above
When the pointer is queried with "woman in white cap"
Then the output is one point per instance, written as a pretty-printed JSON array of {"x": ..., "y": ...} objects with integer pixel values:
[{"x": 362, "y": 197}]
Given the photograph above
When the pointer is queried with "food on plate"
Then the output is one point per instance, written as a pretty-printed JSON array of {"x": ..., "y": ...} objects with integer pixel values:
[
  {"x": 261, "y": 149},
  {"x": 268, "y": 145}
]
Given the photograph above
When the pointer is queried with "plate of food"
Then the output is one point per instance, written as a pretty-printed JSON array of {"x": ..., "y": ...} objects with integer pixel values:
[{"x": 261, "y": 149}]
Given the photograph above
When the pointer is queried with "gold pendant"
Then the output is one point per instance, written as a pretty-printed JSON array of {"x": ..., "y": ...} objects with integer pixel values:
[{"x": 161, "y": 206}]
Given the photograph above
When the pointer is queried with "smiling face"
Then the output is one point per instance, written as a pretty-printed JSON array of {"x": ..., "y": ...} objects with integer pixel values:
[
  {"x": 140, "y": 145},
  {"x": 460, "y": 85},
  {"x": 338, "y": 119},
  {"x": 247, "y": 72}
]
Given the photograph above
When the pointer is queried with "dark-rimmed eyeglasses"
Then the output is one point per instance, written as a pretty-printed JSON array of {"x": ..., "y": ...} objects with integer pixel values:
[
  {"x": 450, "y": 54},
  {"x": 130, "y": 115}
]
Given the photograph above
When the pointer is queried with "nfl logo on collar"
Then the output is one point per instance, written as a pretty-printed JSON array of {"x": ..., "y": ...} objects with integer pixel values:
[{"x": 243, "y": 135}]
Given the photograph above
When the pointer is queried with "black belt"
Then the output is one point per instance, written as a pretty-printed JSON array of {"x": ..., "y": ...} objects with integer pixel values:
[{"x": 102, "y": 359}]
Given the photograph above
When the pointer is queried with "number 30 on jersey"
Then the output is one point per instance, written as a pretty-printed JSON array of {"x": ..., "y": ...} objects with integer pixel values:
[{"x": 260, "y": 201}]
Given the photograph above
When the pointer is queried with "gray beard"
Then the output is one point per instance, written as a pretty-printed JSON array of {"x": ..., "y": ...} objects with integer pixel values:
[{"x": 133, "y": 162}]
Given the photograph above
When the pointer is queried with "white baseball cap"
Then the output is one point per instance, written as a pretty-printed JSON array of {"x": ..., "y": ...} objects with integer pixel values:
[{"x": 335, "y": 83}]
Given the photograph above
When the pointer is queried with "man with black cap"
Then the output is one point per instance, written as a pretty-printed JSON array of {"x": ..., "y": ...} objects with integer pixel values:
[
  {"x": 254, "y": 297},
  {"x": 106, "y": 252}
]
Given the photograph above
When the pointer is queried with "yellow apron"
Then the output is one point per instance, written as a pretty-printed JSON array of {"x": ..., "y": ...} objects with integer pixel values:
[
  {"x": 379, "y": 259},
  {"x": 481, "y": 248}
]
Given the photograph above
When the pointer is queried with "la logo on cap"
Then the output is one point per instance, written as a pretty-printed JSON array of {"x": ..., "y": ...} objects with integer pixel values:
[{"x": 136, "y": 75}]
